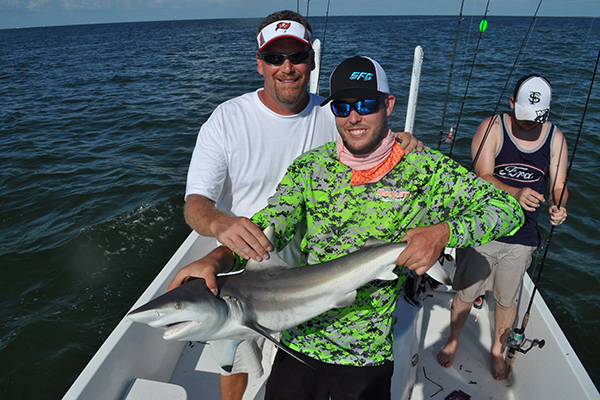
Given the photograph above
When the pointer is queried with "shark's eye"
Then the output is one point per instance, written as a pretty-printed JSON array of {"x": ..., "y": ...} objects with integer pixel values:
[{"x": 177, "y": 305}]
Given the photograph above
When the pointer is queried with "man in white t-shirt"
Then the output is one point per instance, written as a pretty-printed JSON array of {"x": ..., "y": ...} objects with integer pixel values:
[{"x": 244, "y": 149}]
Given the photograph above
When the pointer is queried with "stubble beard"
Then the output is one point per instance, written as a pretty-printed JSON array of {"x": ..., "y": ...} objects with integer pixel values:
[
  {"x": 380, "y": 133},
  {"x": 290, "y": 96}
]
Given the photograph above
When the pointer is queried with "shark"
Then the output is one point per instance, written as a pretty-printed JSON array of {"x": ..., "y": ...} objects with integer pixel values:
[{"x": 265, "y": 298}]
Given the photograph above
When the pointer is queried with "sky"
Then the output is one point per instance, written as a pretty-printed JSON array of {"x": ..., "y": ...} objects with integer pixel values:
[{"x": 31, "y": 13}]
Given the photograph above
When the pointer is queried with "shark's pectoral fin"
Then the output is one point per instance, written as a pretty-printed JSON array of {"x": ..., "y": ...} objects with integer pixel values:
[
  {"x": 388, "y": 274},
  {"x": 262, "y": 332},
  {"x": 224, "y": 352},
  {"x": 348, "y": 300}
]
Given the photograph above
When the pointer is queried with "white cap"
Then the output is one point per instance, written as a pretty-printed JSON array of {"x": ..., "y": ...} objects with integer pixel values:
[
  {"x": 281, "y": 29},
  {"x": 532, "y": 100}
]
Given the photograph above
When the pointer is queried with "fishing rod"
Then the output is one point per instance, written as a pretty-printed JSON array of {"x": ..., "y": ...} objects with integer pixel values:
[
  {"x": 517, "y": 337},
  {"x": 450, "y": 78},
  {"x": 323, "y": 45},
  {"x": 482, "y": 28},
  {"x": 510, "y": 74}
]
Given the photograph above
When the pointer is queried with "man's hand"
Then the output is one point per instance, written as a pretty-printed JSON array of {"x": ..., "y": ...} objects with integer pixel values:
[
  {"x": 557, "y": 216},
  {"x": 424, "y": 246},
  {"x": 217, "y": 261},
  {"x": 237, "y": 233},
  {"x": 529, "y": 199},
  {"x": 242, "y": 236},
  {"x": 408, "y": 142}
]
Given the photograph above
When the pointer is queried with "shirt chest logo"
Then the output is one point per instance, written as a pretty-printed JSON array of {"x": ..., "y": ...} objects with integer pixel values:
[
  {"x": 518, "y": 172},
  {"x": 391, "y": 194}
]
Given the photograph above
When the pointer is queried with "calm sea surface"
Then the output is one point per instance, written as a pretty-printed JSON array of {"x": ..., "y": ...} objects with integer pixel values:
[{"x": 98, "y": 122}]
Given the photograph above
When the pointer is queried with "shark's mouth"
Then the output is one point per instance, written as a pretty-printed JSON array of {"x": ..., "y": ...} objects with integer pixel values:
[{"x": 173, "y": 329}]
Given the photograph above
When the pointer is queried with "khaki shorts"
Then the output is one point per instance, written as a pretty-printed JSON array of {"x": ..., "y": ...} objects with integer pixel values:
[
  {"x": 249, "y": 357},
  {"x": 495, "y": 266}
]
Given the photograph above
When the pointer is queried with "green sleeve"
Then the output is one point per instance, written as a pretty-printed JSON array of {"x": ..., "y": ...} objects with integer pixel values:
[{"x": 485, "y": 212}]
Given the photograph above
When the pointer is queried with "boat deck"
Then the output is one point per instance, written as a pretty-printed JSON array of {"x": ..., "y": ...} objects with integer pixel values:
[
  {"x": 470, "y": 372},
  {"x": 429, "y": 325},
  {"x": 136, "y": 363},
  {"x": 198, "y": 374}
]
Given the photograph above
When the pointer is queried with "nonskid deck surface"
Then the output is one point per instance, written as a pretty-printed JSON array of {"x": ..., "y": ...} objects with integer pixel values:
[{"x": 470, "y": 372}]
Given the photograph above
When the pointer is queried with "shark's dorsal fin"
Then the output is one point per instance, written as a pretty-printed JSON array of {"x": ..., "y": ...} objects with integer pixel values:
[
  {"x": 224, "y": 352},
  {"x": 263, "y": 332},
  {"x": 274, "y": 260}
]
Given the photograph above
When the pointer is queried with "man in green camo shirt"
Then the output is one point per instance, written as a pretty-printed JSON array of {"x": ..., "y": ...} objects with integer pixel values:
[{"x": 347, "y": 192}]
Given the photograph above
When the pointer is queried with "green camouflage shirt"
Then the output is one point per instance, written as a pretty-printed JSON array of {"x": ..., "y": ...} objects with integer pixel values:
[{"x": 422, "y": 189}]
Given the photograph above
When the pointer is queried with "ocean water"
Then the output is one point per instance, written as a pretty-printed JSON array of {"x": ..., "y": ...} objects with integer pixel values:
[{"x": 98, "y": 122}]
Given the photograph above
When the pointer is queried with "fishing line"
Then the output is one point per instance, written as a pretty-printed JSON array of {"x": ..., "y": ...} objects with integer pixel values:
[
  {"x": 510, "y": 74},
  {"x": 549, "y": 239},
  {"x": 579, "y": 63},
  {"x": 470, "y": 75},
  {"x": 450, "y": 76},
  {"x": 461, "y": 71}
]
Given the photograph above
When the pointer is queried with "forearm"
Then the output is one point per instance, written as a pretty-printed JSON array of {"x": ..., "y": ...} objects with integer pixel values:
[
  {"x": 490, "y": 214},
  {"x": 556, "y": 197},
  {"x": 201, "y": 214},
  {"x": 218, "y": 261},
  {"x": 222, "y": 258},
  {"x": 500, "y": 185}
]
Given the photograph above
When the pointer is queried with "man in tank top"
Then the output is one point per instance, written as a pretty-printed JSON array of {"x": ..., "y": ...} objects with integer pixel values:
[
  {"x": 244, "y": 149},
  {"x": 522, "y": 154}
]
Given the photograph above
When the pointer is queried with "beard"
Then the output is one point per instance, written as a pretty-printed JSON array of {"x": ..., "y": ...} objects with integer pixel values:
[
  {"x": 285, "y": 97},
  {"x": 290, "y": 96},
  {"x": 379, "y": 134}
]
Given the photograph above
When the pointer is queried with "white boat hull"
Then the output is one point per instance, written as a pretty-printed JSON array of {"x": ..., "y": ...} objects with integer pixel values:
[{"x": 135, "y": 362}]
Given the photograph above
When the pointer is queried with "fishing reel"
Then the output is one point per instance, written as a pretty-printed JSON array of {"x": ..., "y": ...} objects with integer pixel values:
[
  {"x": 516, "y": 341},
  {"x": 415, "y": 287}
]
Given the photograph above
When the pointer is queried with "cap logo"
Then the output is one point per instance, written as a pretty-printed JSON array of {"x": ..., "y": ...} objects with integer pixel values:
[
  {"x": 365, "y": 76},
  {"x": 283, "y": 25},
  {"x": 534, "y": 97}
]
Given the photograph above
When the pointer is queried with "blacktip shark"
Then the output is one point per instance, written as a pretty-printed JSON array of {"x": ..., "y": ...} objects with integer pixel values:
[{"x": 267, "y": 297}]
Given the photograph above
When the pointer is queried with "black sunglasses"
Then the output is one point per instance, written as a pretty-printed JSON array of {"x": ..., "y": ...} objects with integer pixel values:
[
  {"x": 277, "y": 59},
  {"x": 362, "y": 107}
]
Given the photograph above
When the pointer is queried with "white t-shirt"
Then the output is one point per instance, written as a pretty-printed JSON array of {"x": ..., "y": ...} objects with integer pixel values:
[{"x": 244, "y": 149}]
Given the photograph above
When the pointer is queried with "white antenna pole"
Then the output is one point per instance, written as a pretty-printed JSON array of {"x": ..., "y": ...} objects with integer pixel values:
[{"x": 414, "y": 90}]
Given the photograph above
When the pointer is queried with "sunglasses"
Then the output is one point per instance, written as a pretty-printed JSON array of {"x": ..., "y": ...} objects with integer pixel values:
[
  {"x": 362, "y": 107},
  {"x": 277, "y": 59}
]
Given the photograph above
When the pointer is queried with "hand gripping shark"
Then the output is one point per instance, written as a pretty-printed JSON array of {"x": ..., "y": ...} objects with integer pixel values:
[{"x": 267, "y": 297}]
